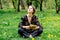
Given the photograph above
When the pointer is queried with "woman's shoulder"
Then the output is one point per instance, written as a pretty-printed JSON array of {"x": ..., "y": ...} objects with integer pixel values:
[
  {"x": 35, "y": 16},
  {"x": 24, "y": 17}
]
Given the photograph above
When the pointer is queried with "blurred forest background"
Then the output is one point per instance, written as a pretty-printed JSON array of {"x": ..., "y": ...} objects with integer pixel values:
[{"x": 22, "y": 4}]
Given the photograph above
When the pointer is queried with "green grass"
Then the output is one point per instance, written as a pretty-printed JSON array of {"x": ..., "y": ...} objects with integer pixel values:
[{"x": 9, "y": 20}]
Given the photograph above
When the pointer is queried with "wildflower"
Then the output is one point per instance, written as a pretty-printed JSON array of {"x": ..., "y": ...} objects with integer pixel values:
[
  {"x": 49, "y": 35},
  {"x": 52, "y": 35},
  {"x": 32, "y": 38}
]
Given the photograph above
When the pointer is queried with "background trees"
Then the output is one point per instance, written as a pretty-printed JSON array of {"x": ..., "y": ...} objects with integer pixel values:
[
  {"x": 13, "y": 2},
  {"x": 23, "y": 4},
  {"x": 0, "y": 4},
  {"x": 57, "y": 5},
  {"x": 18, "y": 8},
  {"x": 41, "y": 1}
]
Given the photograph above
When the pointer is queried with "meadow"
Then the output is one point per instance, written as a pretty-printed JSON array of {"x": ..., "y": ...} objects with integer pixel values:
[{"x": 9, "y": 20}]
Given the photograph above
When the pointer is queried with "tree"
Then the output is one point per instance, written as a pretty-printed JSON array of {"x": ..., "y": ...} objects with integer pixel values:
[
  {"x": 41, "y": 1},
  {"x": 18, "y": 8},
  {"x": 0, "y": 5},
  {"x": 36, "y": 3},
  {"x": 22, "y": 4},
  {"x": 14, "y": 4},
  {"x": 27, "y": 2},
  {"x": 57, "y": 6}
]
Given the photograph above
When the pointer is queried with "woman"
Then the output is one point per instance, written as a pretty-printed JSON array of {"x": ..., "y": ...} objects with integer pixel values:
[{"x": 29, "y": 25}]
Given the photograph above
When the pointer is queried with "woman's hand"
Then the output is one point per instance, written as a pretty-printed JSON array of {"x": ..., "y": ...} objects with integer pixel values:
[
  {"x": 34, "y": 27},
  {"x": 37, "y": 27},
  {"x": 27, "y": 27}
]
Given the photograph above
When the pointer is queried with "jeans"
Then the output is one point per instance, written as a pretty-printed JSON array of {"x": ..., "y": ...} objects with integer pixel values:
[{"x": 26, "y": 33}]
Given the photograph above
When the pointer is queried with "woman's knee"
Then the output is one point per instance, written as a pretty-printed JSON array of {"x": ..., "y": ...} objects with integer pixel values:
[
  {"x": 40, "y": 30},
  {"x": 20, "y": 30}
]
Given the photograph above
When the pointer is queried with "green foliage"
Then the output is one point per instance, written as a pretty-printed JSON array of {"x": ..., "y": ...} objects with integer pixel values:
[
  {"x": 48, "y": 4},
  {"x": 58, "y": 3},
  {"x": 9, "y": 20},
  {"x": 34, "y": 2}
]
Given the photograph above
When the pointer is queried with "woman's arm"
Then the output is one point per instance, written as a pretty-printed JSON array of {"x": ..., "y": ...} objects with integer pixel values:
[
  {"x": 34, "y": 27},
  {"x": 36, "y": 23},
  {"x": 22, "y": 24},
  {"x": 26, "y": 27}
]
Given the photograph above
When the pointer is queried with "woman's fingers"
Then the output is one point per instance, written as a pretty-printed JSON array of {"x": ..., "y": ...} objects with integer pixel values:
[{"x": 27, "y": 27}]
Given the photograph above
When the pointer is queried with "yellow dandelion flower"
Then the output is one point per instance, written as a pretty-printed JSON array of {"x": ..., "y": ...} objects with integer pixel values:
[
  {"x": 32, "y": 38},
  {"x": 52, "y": 35},
  {"x": 49, "y": 35}
]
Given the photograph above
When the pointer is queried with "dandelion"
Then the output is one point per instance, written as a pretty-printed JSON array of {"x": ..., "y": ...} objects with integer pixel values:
[
  {"x": 52, "y": 35},
  {"x": 49, "y": 35},
  {"x": 32, "y": 38}
]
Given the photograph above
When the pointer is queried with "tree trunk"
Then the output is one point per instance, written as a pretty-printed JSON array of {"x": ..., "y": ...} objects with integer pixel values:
[
  {"x": 27, "y": 3},
  {"x": 22, "y": 4},
  {"x": 36, "y": 4},
  {"x": 0, "y": 5},
  {"x": 57, "y": 6},
  {"x": 58, "y": 9},
  {"x": 41, "y": 1},
  {"x": 18, "y": 9},
  {"x": 13, "y": 4}
]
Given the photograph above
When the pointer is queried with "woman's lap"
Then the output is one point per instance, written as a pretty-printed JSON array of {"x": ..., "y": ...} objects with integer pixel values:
[{"x": 26, "y": 33}]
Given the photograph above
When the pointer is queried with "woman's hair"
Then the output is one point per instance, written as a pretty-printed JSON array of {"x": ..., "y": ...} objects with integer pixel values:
[{"x": 33, "y": 9}]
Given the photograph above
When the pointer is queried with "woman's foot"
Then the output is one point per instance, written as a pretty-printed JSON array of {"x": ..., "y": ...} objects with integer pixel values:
[{"x": 30, "y": 36}]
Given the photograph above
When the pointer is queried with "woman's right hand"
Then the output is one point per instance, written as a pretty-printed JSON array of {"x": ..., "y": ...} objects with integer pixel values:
[{"x": 27, "y": 27}]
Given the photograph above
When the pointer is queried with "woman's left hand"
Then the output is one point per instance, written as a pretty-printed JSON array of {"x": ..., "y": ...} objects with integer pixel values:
[
  {"x": 37, "y": 27},
  {"x": 34, "y": 27}
]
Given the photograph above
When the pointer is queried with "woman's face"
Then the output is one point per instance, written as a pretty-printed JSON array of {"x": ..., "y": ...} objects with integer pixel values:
[{"x": 30, "y": 9}]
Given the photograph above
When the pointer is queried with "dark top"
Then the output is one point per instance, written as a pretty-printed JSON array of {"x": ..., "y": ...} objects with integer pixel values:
[{"x": 24, "y": 21}]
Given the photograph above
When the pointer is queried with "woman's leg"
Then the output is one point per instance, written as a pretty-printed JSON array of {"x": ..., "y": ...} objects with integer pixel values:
[
  {"x": 22, "y": 32},
  {"x": 37, "y": 32}
]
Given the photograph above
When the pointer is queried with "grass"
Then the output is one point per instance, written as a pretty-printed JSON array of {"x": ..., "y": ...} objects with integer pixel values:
[{"x": 9, "y": 20}]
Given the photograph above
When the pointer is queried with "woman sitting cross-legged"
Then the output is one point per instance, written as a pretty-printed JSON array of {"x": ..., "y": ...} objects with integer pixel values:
[{"x": 29, "y": 25}]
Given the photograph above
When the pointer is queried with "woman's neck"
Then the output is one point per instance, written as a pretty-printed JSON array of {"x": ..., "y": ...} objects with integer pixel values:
[{"x": 29, "y": 15}]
